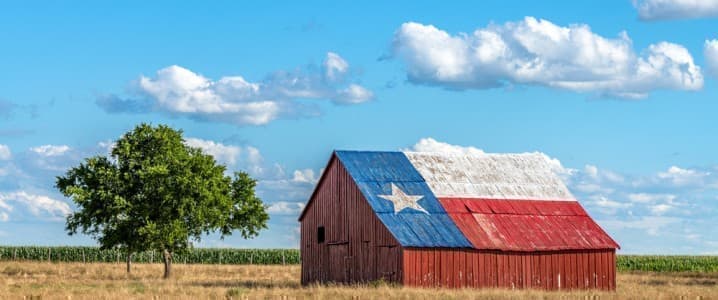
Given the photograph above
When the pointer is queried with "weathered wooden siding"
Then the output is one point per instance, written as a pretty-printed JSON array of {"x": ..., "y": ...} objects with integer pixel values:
[
  {"x": 552, "y": 270},
  {"x": 357, "y": 247}
]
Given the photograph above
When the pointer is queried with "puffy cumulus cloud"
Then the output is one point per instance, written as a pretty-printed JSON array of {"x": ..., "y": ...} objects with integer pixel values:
[
  {"x": 16, "y": 204},
  {"x": 538, "y": 52},
  {"x": 710, "y": 51},
  {"x": 5, "y": 153},
  {"x": 50, "y": 150},
  {"x": 233, "y": 99},
  {"x": 650, "y": 10},
  {"x": 429, "y": 144},
  {"x": 285, "y": 208}
]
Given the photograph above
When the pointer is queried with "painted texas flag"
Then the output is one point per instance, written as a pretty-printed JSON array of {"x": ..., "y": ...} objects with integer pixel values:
[{"x": 489, "y": 201}]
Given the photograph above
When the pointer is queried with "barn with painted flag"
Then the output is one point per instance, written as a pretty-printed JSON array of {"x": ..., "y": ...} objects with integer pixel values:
[{"x": 443, "y": 220}]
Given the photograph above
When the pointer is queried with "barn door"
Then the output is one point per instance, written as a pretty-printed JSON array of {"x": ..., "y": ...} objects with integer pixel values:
[
  {"x": 388, "y": 263},
  {"x": 338, "y": 262}
]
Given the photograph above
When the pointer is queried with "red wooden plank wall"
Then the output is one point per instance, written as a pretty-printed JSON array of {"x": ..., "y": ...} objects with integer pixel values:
[
  {"x": 557, "y": 270},
  {"x": 357, "y": 247}
]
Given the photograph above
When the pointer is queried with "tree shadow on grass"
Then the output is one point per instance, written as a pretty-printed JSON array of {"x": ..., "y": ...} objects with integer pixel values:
[
  {"x": 247, "y": 284},
  {"x": 702, "y": 282}
]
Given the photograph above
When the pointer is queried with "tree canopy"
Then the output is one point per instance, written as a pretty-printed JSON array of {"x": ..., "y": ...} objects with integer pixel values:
[{"x": 154, "y": 192}]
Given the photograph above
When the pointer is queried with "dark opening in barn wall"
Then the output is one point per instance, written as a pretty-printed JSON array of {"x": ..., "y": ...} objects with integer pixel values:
[
  {"x": 548, "y": 243},
  {"x": 320, "y": 234}
]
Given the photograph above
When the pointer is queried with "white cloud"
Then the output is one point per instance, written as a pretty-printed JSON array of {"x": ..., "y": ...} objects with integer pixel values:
[
  {"x": 285, "y": 208},
  {"x": 675, "y": 9},
  {"x": 602, "y": 201},
  {"x": 680, "y": 177},
  {"x": 5, "y": 153},
  {"x": 353, "y": 94},
  {"x": 660, "y": 209},
  {"x": 650, "y": 198},
  {"x": 222, "y": 153},
  {"x": 602, "y": 175},
  {"x": 431, "y": 145},
  {"x": 538, "y": 52},
  {"x": 50, "y": 150},
  {"x": 591, "y": 170},
  {"x": 606, "y": 205},
  {"x": 233, "y": 99},
  {"x": 335, "y": 67},
  {"x": 36, "y": 205},
  {"x": 710, "y": 51},
  {"x": 306, "y": 176},
  {"x": 246, "y": 158}
]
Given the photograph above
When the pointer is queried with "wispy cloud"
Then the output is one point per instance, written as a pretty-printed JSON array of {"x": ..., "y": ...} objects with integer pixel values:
[
  {"x": 710, "y": 51},
  {"x": 5, "y": 153},
  {"x": 652, "y": 10}
]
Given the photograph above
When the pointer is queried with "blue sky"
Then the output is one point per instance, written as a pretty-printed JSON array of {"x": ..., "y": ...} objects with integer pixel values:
[{"x": 621, "y": 93}]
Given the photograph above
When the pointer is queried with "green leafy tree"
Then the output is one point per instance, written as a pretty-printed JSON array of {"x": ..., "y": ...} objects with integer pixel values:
[{"x": 156, "y": 193}]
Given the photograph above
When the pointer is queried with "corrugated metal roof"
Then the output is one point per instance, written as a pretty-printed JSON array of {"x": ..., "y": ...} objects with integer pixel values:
[
  {"x": 526, "y": 225},
  {"x": 490, "y": 176},
  {"x": 503, "y": 202},
  {"x": 374, "y": 174}
]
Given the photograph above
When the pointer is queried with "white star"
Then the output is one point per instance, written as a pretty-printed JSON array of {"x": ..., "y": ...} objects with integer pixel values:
[{"x": 401, "y": 200}]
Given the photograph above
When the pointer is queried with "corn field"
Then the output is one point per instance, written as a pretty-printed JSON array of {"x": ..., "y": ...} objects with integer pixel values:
[
  {"x": 652, "y": 263},
  {"x": 667, "y": 263},
  {"x": 193, "y": 256}
]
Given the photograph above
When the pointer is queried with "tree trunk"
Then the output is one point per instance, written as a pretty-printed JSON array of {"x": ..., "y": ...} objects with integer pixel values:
[
  {"x": 129, "y": 262},
  {"x": 168, "y": 263}
]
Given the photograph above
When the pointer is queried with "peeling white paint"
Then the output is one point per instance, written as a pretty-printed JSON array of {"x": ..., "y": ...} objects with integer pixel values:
[{"x": 526, "y": 176}]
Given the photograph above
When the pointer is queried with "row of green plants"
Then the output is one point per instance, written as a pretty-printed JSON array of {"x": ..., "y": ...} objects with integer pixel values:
[
  {"x": 654, "y": 263},
  {"x": 667, "y": 263},
  {"x": 192, "y": 256}
]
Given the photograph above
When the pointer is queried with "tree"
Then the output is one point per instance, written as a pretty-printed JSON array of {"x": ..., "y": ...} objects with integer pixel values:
[{"x": 156, "y": 193}]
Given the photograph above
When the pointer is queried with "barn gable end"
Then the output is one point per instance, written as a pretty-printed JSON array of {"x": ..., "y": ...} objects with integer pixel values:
[{"x": 357, "y": 246}]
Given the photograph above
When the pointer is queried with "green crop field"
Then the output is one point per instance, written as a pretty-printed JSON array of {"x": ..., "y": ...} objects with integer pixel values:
[
  {"x": 667, "y": 263},
  {"x": 194, "y": 256},
  {"x": 651, "y": 263}
]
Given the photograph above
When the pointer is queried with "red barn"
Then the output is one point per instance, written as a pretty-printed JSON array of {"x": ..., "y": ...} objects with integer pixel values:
[{"x": 439, "y": 220}]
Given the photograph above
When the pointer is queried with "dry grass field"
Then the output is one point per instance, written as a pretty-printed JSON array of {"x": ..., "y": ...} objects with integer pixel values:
[{"x": 42, "y": 280}]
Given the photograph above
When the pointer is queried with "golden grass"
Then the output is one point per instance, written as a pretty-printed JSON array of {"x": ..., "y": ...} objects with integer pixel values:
[{"x": 38, "y": 280}]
